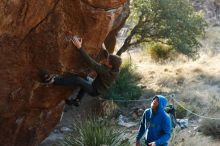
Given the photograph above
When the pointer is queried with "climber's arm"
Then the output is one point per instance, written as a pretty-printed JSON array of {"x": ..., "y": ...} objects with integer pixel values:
[{"x": 90, "y": 61}]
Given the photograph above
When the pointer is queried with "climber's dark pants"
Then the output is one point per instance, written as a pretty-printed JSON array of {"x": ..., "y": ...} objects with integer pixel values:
[{"x": 84, "y": 84}]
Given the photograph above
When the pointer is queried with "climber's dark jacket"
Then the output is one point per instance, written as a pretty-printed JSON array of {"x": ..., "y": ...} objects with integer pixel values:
[{"x": 105, "y": 75}]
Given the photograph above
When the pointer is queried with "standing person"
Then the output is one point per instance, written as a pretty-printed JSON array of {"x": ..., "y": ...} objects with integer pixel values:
[
  {"x": 155, "y": 124},
  {"x": 107, "y": 72}
]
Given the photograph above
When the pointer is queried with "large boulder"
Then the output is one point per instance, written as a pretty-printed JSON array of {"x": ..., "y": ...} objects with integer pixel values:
[{"x": 34, "y": 35}]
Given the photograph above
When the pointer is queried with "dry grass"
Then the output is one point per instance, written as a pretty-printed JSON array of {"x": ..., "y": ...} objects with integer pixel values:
[
  {"x": 190, "y": 138},
  {"x": 195, "y": 82},
  {"x": 191, "y": 79},
  {"x": 211, "y": 128}
]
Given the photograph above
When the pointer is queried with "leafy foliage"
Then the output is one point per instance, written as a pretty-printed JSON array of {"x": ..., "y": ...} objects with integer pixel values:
[
  {"x": 173, "y": 22},
  {"x": 95, "y": 132},
  {"x": 126, "y": 86},
  {"x": 159, "y": 51},
  {"x": 180, "y": 112}
]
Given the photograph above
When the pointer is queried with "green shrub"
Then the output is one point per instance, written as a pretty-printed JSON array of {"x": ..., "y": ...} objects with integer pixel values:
[
  {"x": 95, "y": 132},
  {"x": 210, "y": 127},
  {"x": 174, "y": 22},
  {"x": 126, "y": 86},
  {"x": 159, "y": 52},
  {"x": 180, "y": 112}
]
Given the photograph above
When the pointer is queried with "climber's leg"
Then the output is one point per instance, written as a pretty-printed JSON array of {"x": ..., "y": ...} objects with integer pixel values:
[
  {"x": 80, "y": 95},
  {"x": 85, "y": 87},
  {"x": 77, "y": 100},
  {"x": 74, "y": 81}
]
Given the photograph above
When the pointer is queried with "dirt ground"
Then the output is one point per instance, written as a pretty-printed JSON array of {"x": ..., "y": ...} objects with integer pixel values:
[{"x": 70, "y": 114}]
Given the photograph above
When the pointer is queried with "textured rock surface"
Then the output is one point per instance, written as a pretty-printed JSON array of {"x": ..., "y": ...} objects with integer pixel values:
[
  {"x": 33, "y": 36},
  {"x": 211, "y": 9}
]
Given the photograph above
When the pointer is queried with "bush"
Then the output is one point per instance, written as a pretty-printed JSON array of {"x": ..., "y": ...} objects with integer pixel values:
[
  {"x": 180, "y": 112},
  {"x": 107, "y": 108},
  {"x": 210, "y": 128},
  {"x": 94, "y": 132},
  {"x": 159, "y": 52},
  {"x": 126, "y": 86}
]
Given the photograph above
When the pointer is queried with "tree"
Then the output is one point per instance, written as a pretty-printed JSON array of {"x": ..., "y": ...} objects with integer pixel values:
[{"x": 173, "y": 22}]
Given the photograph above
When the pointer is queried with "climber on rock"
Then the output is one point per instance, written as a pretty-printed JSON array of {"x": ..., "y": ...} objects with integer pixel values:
[{"x": 107, "y": 72}]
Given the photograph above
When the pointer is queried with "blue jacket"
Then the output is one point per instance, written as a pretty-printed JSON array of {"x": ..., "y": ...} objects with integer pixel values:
[{"x": 157, "y": 125}]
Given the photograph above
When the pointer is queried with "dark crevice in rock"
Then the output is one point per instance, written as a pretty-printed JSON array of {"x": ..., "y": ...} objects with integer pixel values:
[{"x": 36, "y": 26}]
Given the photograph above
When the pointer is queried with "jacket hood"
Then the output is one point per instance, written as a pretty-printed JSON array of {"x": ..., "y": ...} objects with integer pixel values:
[{"x": 162, "y": 102}]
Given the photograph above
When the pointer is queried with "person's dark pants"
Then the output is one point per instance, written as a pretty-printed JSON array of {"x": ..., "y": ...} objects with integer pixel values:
[{"x": 85, "y": 85}]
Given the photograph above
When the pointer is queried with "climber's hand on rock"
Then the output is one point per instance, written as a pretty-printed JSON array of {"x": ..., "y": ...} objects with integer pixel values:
[{"x": 77, "y": 42}]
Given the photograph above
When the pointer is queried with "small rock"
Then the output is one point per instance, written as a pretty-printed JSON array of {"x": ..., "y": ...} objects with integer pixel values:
[
  {"x": 183, "y": 123},
  {"x": 65, "y": 129},
  {"x": 56, "y": 131},
  {"x": 122, "y": 120}
]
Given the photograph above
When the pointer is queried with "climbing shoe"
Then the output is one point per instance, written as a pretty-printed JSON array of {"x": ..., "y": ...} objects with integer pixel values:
[
  {"x": 75, "y": 102},
  {"x": 47, "y": 78}
]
